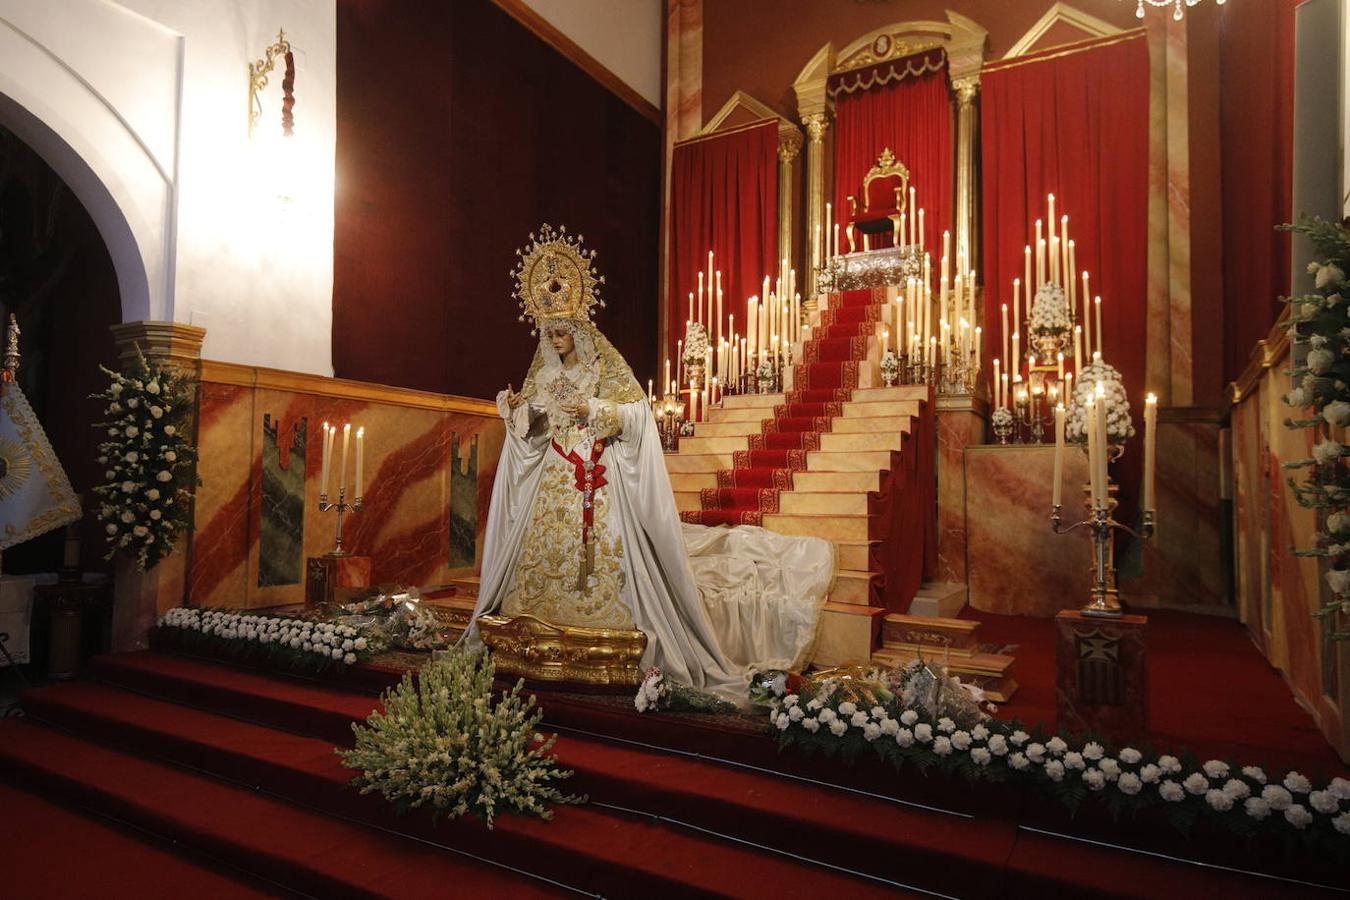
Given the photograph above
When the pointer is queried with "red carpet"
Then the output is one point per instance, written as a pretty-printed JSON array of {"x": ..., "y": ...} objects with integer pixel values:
[{"x": 237, "y": 767}]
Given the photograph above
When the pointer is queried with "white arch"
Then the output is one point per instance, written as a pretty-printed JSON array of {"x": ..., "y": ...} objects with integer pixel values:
[{"x": 128, "y": 190}]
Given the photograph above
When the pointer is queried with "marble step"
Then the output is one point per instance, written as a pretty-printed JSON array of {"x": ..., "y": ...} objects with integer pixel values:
[
  {"x": 847, "y": 443},
  {"x": 826, "y": 482},
  {"x": 692, "y": 481},
  {"x": 831, "y": 528},
  {"x": 853, "y": 586},
  {"x": 891, "y": 394},
  {"x": 697, "y": 462},
  {"x": 848, "y": 461},
  {"x": 687, "y": 500},
  {"x": 752, "y": 401},
  {"x": 740, "y": 428},
  {"x": 704, "y": 446},
  {"x": 803, "y": 503},
  {"x": 855, "y": 555},
  {"x": 939, "y": 599},
  {"x": 855, "y": 409},
  {"x": 848, "y": 634},
  {"x": 840, "y": 425}
]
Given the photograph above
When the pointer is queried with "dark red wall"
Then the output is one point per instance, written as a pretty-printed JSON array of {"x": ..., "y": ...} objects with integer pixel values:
[{"x": 458, "y": 133}]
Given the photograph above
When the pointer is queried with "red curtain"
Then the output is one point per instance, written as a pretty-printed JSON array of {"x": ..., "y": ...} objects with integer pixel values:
[
  {"x": 912, "y": 117},
  {"x": 723, "y": 198},
  {"x": 1076, "y": 126},
  {"x": 1257, "y": 143}
]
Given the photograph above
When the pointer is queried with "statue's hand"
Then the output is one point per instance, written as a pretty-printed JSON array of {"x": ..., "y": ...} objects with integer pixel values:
[
  {"x": 576, "y": 408},
  {"x": 513, "y": 399}
]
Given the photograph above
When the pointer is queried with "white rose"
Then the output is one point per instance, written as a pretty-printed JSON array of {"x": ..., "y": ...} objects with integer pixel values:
[
  {"x": 878, "y": 713},
  {"x": 847, "y": 708},
  {"x": 1093, "y": 750},
  {"x": 128, "y": 487},
  {"x": 782, "y": 722},
  {"x": 838, "y": 727},
  {"x": 1054, "y": 770},
  {"x": 923, "y": 733},
  {"x": 170, "y": 456},
  {"x": 1338, "y": 580},
  {"x": 1329, "y": 275},
  {"x": 1319, "y": 361},
  {"x": 827, "y": 715},
  {"x": 1110, "y": 768},
  {"x": 998, "y": 744},
  {"x": 348, "y": 644},
  {"x": 1019, "y": 737},
  {"x": 132, "y": 456},
  {"x": 871, "y": 731},
  {"x": 946, "y": 725},
  {"x": 349, "y": 658},
  {"x": 942, "y": 745},
  {"x": 1327, "y": 451},
  {"x": 1276, "y": 796},
  {"x": 1218, "y": 800},
  {"x": 153, "y": 387},
  {"x": 858, "y": 719},
  {"x": 1018, "y": 761},
  {"x": 110, "y": 474},
  {"x": 1074, "y": 760},
  {"x": 1169, "y": 764},
  {"x": 132, "y": 431},
  {"x": 163, "y": 475},
  {"x": 961, "y": 740},
  {"x": 1255, "y": 773},
  {"x": 889, "y": 726},
  {"x": 1170, "y": 791},
  {"x": 1130, "y": 784},
  {"x": 359, "y": 643},
  {"x": 1130, "y": 756},
  {"x": 152, "y": 494},
  {"x": 157, "y": 411},
  {"x": 1056, "y": 746},
  {"x": 1036, "y": 752},
  {"x": 156, "y": 515},
  {"x": 1337, "y": 413},
  {"x": 811, "y": 724},
  {"x": 140, "y": 531},
  {"x": 1094, "y": 779},
  {"x": 1297, "y": 783},
  {"x": 1298, "y": 816},
  {"x": 128, "y": 517},
  {"x": 1256, "y": 808},
  {"x": 115, "y": 389},
  {"x": 337, "y": 653},
  {"x": 791, "y": 700},
  {"x": 1236, "y": 788},
  {"x": 111, "y": 528},
  {"x": 794, "y": 712},
  {"x": 1196, "y": 783},
  {"x": 1216, "y": 769},
  {"x": 170, "y": 430},
  {"x": 1324, "y": 802},
  {"x": 909, "y": 717},
  {"x": 979, "y": 732},
  {"x": 981, "y": 756},
  {"x": 1340, "y": 787},
  {"x": 1296, "y": 397}
]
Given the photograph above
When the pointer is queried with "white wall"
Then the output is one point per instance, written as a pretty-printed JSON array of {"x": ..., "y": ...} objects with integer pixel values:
[
  {"x": 147, "y": 100},
  {"x": 624, "y": 36}
]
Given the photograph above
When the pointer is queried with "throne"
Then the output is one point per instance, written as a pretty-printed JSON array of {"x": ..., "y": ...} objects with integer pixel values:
[{"x": 880, "y": 216}]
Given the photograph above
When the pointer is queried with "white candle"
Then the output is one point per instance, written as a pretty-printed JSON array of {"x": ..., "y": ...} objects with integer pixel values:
[
  {"x": 831, "y": 231},
  {"x": 1103, "y": 445},
  {"x": 998, "y": 386},
  {"x": 360, "y": 460},
  {"x": 1150, "y": 449},
  {"x": 327, "y": 453},
  {"x": 1097, "y": 302},
  {"x": 1007, "y": 337},
  {"x": 1078, "y": 347},
  {"x": 1026, "y": 267},
  {"x": 1039, "y": 244},
  {"x": 693, "y": 403},
  {"x": 1017, "y": 355},
  {"x": 1087, "y": 316},
  {"x": 1071, "y": 279},
  {"x": 1058, "y": 497},
  {"x": 342, "y": 472},
  {"x": 1090, "y": 428},
  {"x": 1059, "y": 360},
  {"x": 698, "y": 307},
  {"x": 904, "y": 232}
]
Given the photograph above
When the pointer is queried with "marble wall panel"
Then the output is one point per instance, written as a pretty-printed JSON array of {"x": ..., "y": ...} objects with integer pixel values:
[
  {"x": 254, "y": 514},
  {"x": 956, "y": 430},
  {"x": 1015, "y": 564}
]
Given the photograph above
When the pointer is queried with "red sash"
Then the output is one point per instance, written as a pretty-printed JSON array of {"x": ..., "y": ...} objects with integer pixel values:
[{"x": 590, "y": 477}]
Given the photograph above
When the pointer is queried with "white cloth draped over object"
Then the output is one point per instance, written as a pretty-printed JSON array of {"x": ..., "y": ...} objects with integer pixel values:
[{"x": 715, "y": 603}]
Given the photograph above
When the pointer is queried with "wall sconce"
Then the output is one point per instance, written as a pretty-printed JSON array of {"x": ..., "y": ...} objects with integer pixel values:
[{"x": 257, "y": 81}]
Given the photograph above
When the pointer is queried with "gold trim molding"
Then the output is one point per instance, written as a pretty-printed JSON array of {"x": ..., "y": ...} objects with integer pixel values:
[
  {"x": 533, "y": 648},
  {"x": 259, "y": 377},
  {"x": 160, "y": 341},
  {"x": 1267, "y": 353},
  {"x": 1092, "y": 26}
]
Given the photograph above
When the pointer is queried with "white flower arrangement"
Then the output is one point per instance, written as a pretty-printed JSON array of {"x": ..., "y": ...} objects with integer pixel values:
[
  {"x": 149, "y": 466},
  {"x": 695, "y": 344},
  {"x": 1119, "y": 426},
  {"x": 890, "y": 365},
  {"x": 441, "y": 741},
  {"x": 660, "y": 693},
  {"x": 1049, "y": 311},
  {"x": 1002, "y": 417},
  {"x": 287, "y": 642},
  {"x": 949, "y": 730},
  {"x": 1320, "y": 349}
]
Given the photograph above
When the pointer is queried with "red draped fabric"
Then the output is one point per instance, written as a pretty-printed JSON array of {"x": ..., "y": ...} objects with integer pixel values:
[
  {"x": 723, "y": 198},
  {"x": 912, "y": 117},
  {"x": 1076, "y": 126}
]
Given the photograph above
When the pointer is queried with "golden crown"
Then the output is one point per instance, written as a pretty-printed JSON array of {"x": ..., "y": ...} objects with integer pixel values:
[{"x": 555, "y": 278}]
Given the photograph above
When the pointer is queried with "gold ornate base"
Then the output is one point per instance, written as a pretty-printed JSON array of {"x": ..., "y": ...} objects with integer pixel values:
[{"x": 530, "y": 647}]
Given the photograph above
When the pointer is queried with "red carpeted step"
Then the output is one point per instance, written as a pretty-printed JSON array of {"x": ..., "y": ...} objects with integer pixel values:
[
  {"x": 861, "y": 297},
  {"x": 818, "y": 395},
  {"x": 586, "y": 847},
  {"x": 787, "y": 424},
  {"x": 302, "y": 850},
  {"x": 826, "y": 376},
  {"x": 68, "y": 855},
  {"x": 821, "y": 410},
  {"x": 837, "y": 349},
  {"x": 780, "y": 479},
  {"x": 770, "y": 459},
  {"x": 734, "y": 498},
  {"x": 785, "y": 440}
]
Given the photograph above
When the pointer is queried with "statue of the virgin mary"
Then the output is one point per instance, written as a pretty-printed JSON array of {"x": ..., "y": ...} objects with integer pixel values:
[{"x": 583, "y": 531}]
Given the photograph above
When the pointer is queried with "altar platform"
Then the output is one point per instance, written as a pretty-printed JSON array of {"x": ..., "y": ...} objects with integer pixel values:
[{"x": 237, "y": 766}]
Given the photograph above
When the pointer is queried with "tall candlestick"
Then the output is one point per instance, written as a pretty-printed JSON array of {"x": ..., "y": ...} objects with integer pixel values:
[
  {"x": 342, "y": 472},
  {"x": 360, "y": 460},
  {"x": 1097, "y": 302},
  {"x": 1103, "y": 444},
  {"x": 1017, "y": 354},
  {"x": 1087, "y": 316},
  {"x": 1059, "y": 360},
  {"x": 1150, "y": 449},
  {"x": 920, "y": 242},
  {"x": 836, "y": 240},
  {"x": 1064, "y": 250},
  {"x": 913, "y": 220},
  {"x": 1007, "y": 337},
  {"x": 698, "y": 307},
  {"x": 1078, "y": 361},
  {"x": 831, "y": 232},
  {"x": 1050, "y": 199},
  {"x": 904, "y": 231},
  {"x": 1071, "y": 280},
  {"x": 998, "y": 386},
  {"x": 1040, "y": 255},
  {"x": 1090, "y": 428},
  {"x": 1059, "y": 456},
  {"x": 1026, "y": 267}
]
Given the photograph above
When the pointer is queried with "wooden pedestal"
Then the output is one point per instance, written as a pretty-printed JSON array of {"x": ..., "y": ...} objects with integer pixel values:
[
  {"x": 1101, "y": 682},
  {"x": 334, "y": 579}
]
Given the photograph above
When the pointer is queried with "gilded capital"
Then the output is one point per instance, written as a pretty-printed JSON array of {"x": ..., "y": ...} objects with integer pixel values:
[
  {"x": 789, "y": 145},
  {"x": 816, "y": 123},
  {"x": 966, "y": 88}
]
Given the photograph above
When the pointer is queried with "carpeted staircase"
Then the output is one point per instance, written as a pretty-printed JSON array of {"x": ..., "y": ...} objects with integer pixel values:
[
  {"x": 836, "y": 456},
  {"x": 234, "y": 771}
]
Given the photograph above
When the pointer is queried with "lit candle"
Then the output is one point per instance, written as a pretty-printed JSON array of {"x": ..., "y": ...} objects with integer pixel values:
[
  {"x": 1097, "y": 302},
  {"x": 1103, "y": 444},
  {"x": 1090, "y": 428},
  {"x": 1017, "y": 322},
  {"x": 998, "y": 386},
  {"x": 1150, "y": 449},
  {"x": 1039, "y": 244},
  {"x": 1064, "y": 251},
  {"x": 342, "y": 471},
  {"x": 913, "y": 220},
  {"x": 1087, "y": 316},
  {"x": 1078, "y": 347},
  {"x": 1059, "y": 359},
  {"x": 693, "y": 403},
  {"x": 1017, "y": 355},
  {"x": 920, "y": 230},
  {"x": 698, "y": 307},
  {"x": 1058, "y": 497},
  {"x": 360, "y": 460},
  {"x": 831, "y": 230},
  {"x": 836, "y": 241},
  {"x": 885, "y": 340},
  {"x": 979, "y": 343},
  {"x": 667, "y": 381},
  {"x": 1007, "y": 336},
  {"x": 1026, "y": 267},
  {"x": 651, "y": 391},
  {"x": 1071, "y": 279},
  {"x": 327, "y": 452}
]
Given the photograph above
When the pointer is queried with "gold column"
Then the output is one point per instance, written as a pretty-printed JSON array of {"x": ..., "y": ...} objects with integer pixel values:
[
  {"x": 161, "y": 342},
  {"x": 967, "y": 197},
  {"x": 816, "y": 124},
  {"x": 789, "y": 145}
]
